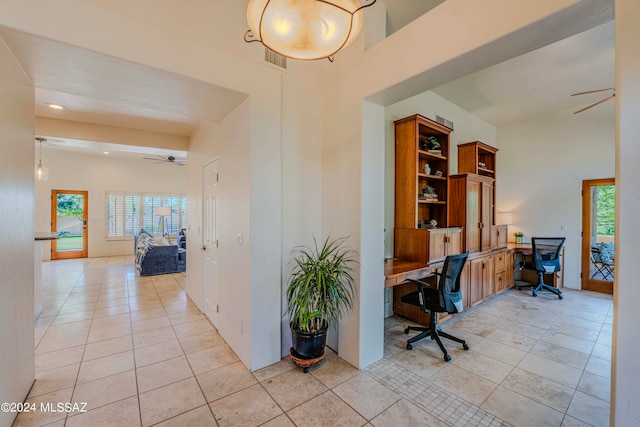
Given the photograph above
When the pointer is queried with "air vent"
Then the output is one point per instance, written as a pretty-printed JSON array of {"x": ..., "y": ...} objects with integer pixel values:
[
  {"x": 445, "y": 122},
  {"x": 275, "y": 58}
]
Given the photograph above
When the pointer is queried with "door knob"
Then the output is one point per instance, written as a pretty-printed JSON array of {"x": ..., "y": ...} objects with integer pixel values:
[{"x": 204, "y": 248}]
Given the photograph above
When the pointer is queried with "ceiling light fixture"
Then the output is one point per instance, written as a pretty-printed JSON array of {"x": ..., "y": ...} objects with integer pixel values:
[
  {"x": 42, "y": 173},
  {"x": 55, "y": 106},
  {"x": 305, "y": 29}
]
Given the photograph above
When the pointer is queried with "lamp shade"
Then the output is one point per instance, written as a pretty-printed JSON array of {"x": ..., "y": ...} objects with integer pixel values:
[
  {"x": 305, "y": 29},
  {"x": 504, "y": 218},
  {"x": 163, "y": 211},
  {"x": 42, "y": 173}
]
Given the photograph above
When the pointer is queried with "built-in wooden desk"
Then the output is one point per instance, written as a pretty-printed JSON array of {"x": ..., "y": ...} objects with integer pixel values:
[
  {"x": 528, "y": 277},
  {"x": 398, "y": 271}
]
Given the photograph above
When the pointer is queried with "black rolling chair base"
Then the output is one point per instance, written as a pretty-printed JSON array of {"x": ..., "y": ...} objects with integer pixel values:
[
  {"x": 546, "y": 287},
  {"x": 428, "y": 332}
]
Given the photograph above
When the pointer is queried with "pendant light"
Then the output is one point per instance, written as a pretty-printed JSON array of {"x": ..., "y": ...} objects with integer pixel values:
[
  {"x": 305, "y": 29},
  {"x": 42, "y": 173}
]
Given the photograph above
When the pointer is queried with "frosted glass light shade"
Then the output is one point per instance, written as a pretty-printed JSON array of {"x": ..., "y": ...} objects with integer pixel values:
[
  {"x": 305, "y": 29},
  {"x": 42, "y": 173}
]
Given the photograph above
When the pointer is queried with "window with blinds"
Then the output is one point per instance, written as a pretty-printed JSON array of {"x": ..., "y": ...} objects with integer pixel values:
[{"x": 127, "y": 213}]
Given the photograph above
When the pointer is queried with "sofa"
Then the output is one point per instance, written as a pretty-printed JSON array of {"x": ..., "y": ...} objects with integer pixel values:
[{"x": 154, "y": 255}]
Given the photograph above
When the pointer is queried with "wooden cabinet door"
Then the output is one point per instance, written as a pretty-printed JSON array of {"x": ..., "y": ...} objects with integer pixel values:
[
  {"x": 473, "y": 216},
  {"x": 475, "y": 281},
  {"x": 498, "y": 237},
  {"x": 437, "y": 244},
  {"x": 488, "y": 277},
  {"x": 486, "y": 216},
  {"x": 454, "y": 241},
  {"x": 500, "y": 282}
]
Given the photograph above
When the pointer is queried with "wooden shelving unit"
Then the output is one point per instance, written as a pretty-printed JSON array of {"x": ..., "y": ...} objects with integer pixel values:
[{"x": 479, "y": 158}]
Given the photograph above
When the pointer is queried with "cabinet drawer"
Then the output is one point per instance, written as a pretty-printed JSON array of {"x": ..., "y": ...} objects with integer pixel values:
[{"x": 500, "y": 262}]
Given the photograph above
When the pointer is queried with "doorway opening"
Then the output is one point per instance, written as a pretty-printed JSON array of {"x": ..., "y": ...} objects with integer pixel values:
[
  {"x": 598, "y": 235},
  {"x": 69, "y": 212}
]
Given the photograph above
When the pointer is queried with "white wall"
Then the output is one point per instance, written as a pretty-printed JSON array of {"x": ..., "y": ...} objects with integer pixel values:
[
  {"x": 625, "y": 393},
  {"x": 541, "y": 166},
  {"x": 467, "y": 128},
  {"x": 97, "y": 174},
  {"x": 17, "y": 363}
]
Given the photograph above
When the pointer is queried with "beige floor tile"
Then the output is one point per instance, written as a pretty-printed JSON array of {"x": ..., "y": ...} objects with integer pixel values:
[
  {"x": 124, "y": 413},
  {"x": 201, "y": 341},
  {"x": 568, "y": 341},
  {"x": 504, "y": 353},
  {"x": 180, "y": 307},
  {"x": 40, "y": 417},
  {"x": 589, "y": 409},
  {"x": 326, "y": 410},
  {"x": 69, "y": 308},
  {"x": 53, "y": 343},
  {"x": 211, "y": 358},
  {"x": 58, "y": 358},
  {"x": 554, "y": 371},
  {"x": 566, "y": 356},
  {"x": 157, "y": 353},
  {"x": 154, "y": 336},
  {"x": 526, "y": 329},
  {"x": 463, "y": 325},
  {"x": 483, "y": 366},
  {"x": 333, "y": 370},
  {"x": 107, "y": 347},
  {"x": 293, "y": 388},
  {"x": 105, "y": 366},
  {"x": 54, "y": 380},
  {"x": 419, "y": 361},
  {"x": 111, "y": 302},
  {"x": 225, "y": 380},
  {"x": 520, "y": 410},
  {"x": 367, "y": 396},
  {"x": 405, "y": 413},
  {"x": 106, "y": 390},
  {"x": 148, "y": 314},
  {"x": 187, "y": 316},
  {"x": 171, "y": 400},
  {"x": 281, "y": 421},
  {"x": 596, "y": 386},
  {"x": 539, "y": 389},
  {"x": 199, "y": 417},
  {"x": 139, "y": 305},
  {"x": 598, "y": 366},
  {"x": 73, "y": 317},
  {"x": 572, "y": 422},
  {"x": 192, "y": 328},
  {"x": 115, "y": 331},
  {"x": 512, "y": 339},
  {"x": 150, "y": 324},
  {"x": 111, "y": 311},
  {"x": 249, "y": 407},
  {"x": 464, "y": 384},
  {"x": 271, "y": 371},
  {"x": 116, "y": 319},
  {"x": 163, "y": 373},
  {"x": 602, "y": 351}
]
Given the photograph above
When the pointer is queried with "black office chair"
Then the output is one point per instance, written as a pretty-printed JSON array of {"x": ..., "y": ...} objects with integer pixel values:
[
  {"x": 545, "y": 260},
  {"x": 447, "y": 297}
]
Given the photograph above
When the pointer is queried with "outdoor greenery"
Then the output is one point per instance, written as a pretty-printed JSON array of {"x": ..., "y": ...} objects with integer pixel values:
[
  {"x": 70, "y": 204},
  {"x": 605, "y": 208},
  {"x": 321, "y": 286}
]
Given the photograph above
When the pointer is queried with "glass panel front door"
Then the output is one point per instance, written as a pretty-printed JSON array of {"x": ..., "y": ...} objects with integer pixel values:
[
  {"x": 598, "y": 259},
  {"x": 69, "y": 221}
]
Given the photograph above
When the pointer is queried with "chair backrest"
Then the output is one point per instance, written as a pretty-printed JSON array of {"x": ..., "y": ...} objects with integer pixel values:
[
  {"x": 546, "y": 253},
  {"x": 596, "y": 256},
  {"x": 449, "y": 286}
]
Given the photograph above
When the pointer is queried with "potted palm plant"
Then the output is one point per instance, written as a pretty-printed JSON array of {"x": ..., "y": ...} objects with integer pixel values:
[{"x": 319, "y": 291}]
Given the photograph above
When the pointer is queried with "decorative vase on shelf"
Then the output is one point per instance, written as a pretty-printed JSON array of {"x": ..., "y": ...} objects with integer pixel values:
[{"x": 427, "y": 169}]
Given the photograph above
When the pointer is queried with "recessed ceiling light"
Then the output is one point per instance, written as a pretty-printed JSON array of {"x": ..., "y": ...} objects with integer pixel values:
[
  {"x": 55, "y": 106},
  {"x": 105, "y": 152}
]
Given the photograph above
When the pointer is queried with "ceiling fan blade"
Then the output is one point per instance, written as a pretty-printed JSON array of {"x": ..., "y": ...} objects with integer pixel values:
[
  {"x": 595, "y": 103},
  {"x": 593, "y": 91},
  {"x": 154, "y": 158}
]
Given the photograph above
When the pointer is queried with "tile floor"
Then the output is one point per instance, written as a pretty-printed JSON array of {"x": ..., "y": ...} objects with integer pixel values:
[{"x": 138, "y": 352}]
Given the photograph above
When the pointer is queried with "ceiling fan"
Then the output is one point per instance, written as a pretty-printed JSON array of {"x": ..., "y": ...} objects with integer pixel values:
[
  {"x": 167, "y": 159},
  {"x": 595, "y": 103}
]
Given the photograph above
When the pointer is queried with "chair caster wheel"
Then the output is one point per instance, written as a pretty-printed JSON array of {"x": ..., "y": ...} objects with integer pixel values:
[
  {"x": 559, "y": 296},
  {"x": 447, "y": 358},
  {"x": 465, "y": 346},
  {"x": 409, "y": 347},
  {"x": 406, "y": 330},
  {"x": 535, "y": 295},
  {"x": 305, "y": 370}
]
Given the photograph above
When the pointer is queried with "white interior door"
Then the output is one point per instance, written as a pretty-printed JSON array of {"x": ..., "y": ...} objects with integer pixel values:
[{"x": 210, "y": 240}]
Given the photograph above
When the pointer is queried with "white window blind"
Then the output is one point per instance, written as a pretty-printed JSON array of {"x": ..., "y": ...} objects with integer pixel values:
[{"x": 128, "y": 212}]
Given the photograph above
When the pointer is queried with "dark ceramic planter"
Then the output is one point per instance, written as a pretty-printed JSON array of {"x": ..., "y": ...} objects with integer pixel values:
[{"x": 309, "y": 345}]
